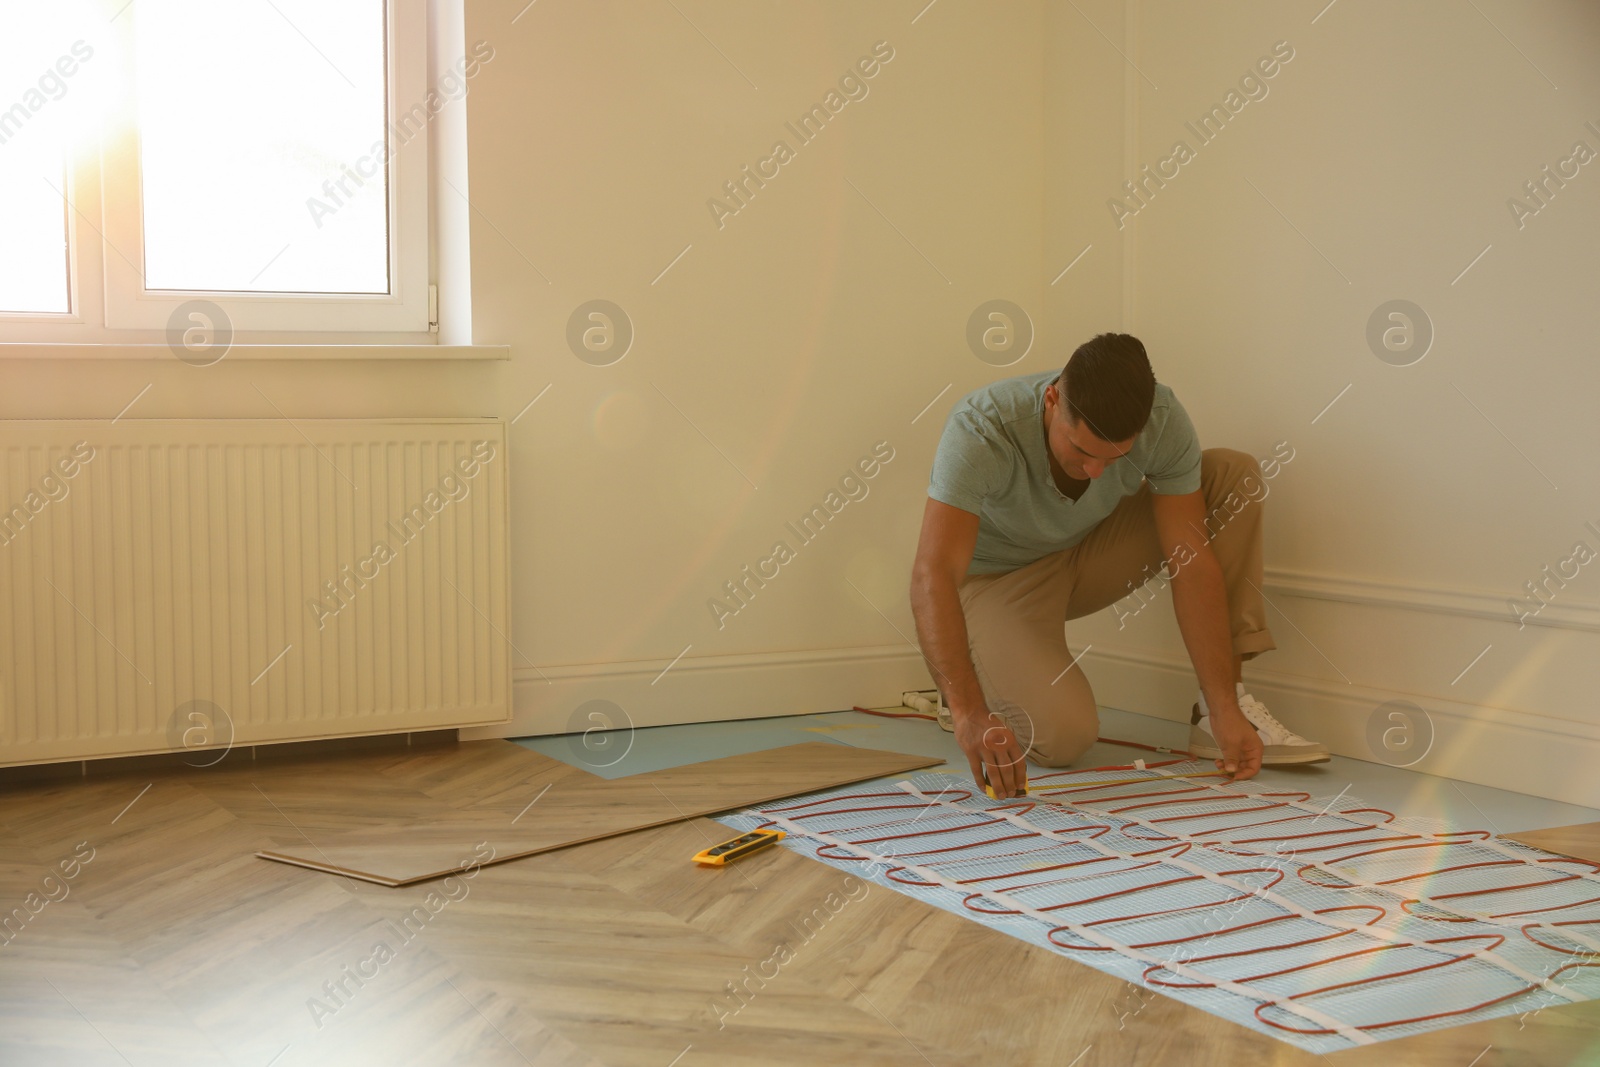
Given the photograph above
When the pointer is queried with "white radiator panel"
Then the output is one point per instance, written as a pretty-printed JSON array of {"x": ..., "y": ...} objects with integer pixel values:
[{"x": 174, "y": 584}]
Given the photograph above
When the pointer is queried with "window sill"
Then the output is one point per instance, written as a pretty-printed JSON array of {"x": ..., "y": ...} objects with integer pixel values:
[{"x": 19, "y": 350}]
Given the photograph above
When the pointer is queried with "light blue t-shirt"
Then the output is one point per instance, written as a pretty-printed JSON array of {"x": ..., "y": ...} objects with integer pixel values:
[{"x": 992, "y": 462}]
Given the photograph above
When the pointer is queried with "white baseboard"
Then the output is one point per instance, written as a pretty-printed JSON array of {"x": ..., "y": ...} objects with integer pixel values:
[
  {"x": 1507, "y": 748},
  {"x": 1560, "y": 612},
  {"x": 557, "y": 700},
  {"x": 1534, "y": 754}
]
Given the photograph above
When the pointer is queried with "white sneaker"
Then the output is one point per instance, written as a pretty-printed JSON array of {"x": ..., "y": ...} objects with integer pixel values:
[
  {"x": 1279, "y": 744},
  {"x": 947, "y": 722}
]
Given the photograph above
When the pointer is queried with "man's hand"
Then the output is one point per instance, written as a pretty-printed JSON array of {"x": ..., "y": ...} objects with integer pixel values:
[
  {"x": 1240, "y": 744},
  {"x": 992, "y": 750}
]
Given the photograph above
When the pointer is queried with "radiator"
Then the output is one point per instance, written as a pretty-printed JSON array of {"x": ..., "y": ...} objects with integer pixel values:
[{"x": 199, "y": 584}]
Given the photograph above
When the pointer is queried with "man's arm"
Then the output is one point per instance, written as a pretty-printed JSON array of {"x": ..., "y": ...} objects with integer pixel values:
[
  {"x": 944, "y": 551},
  {"x": 1200, "y": 602}
]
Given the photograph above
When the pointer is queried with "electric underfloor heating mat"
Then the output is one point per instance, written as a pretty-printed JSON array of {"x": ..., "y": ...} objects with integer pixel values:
[{"x": 1320, "y": 921}]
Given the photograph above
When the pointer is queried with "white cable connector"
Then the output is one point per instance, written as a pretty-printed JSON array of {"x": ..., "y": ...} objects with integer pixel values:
[{"x": 929, "y": 702}]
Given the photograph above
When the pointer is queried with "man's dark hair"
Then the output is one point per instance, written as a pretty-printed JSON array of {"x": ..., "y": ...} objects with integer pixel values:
[{"x": 1108, "y": 384}]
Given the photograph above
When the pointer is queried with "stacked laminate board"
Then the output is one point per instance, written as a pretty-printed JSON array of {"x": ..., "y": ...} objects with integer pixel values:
[{"x": 567, "y": 806}]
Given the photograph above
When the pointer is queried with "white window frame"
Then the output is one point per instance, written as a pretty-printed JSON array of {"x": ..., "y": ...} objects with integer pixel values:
[{"x": 108, "y": 299}]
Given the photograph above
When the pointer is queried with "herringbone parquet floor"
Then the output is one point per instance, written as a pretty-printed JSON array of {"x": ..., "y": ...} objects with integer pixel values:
[{"x": 149, "y": 933}]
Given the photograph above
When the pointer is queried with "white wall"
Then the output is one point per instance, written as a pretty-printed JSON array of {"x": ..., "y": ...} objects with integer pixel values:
[
  {"x": 1087, "y": 109},
  {"x": 1428, "y": 494},
  {"x": 769, "y": 358},
  {"x": 808, "y": 328}
]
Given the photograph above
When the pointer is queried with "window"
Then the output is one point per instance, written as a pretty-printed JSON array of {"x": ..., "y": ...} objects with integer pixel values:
[
  {"x": 35, "y": 272},
  {"x": 268, "y": 157}
]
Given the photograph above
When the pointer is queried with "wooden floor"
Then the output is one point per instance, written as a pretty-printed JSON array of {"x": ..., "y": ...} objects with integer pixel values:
[
  {"x": 173, "y": 944},
  {"x": 462, "y": 825},
  {"x": 1581, "y": 841}
]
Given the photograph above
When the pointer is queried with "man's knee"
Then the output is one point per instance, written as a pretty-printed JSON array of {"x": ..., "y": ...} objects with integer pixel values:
[
  {"x": 1052, "y": 736},
  {"x": 1230, "y": 482},
  {"x": 1059, "y": 744}
]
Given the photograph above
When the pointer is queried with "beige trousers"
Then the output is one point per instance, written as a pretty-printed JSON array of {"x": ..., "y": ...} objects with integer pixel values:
[{"x": 1015, "y": 620}]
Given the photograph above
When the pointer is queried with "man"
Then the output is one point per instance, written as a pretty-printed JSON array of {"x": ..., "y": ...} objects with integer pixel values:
[{"x": 1054, "y": 496}]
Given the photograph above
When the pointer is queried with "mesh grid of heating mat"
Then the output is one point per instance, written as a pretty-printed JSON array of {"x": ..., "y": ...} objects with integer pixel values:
[{"x": 1319, "y": 921}]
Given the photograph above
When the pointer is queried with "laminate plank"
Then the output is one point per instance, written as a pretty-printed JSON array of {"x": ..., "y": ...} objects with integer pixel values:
[
  {"x": 1580, "y": 841},
  {"x": 297, "y": 799},
  {"x": 582, "y": 808},
  {"x": 483, "y": 775}
]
